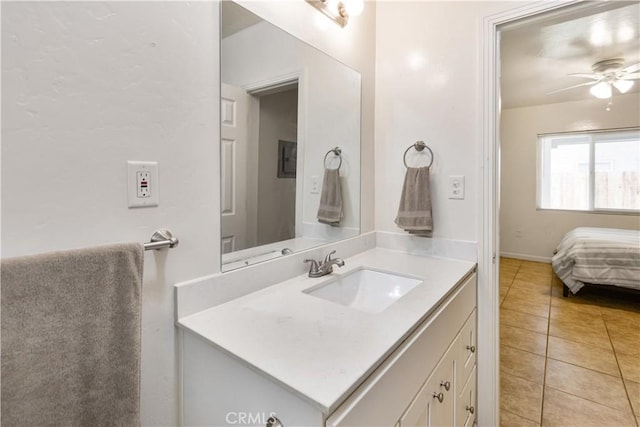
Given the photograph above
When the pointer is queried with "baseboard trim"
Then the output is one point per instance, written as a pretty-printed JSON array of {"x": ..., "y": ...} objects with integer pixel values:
[{"x": 526, "y": 257}]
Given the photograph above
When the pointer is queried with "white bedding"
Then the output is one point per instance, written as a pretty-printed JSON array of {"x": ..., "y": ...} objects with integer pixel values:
[{"x": 602, "y": 256}]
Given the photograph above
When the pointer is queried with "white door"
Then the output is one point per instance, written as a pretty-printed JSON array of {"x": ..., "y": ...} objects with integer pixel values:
[{"x": 234, "y": 128}]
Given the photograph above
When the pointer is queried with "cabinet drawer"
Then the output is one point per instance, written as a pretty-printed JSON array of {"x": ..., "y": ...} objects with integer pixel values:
[
  {"x": 466, "y": 403},
  {"x": 467, "y": 350},
  {"x": 384, "y": 396}
]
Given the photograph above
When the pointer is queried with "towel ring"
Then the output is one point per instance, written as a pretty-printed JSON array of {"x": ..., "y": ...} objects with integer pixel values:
[
  {"x": 337, "y": 151},
  {"x": 419, "y": 146}
]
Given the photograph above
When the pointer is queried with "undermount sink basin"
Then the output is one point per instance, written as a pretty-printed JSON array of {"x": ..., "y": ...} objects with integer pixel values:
[{"x": 365, "y": 289}]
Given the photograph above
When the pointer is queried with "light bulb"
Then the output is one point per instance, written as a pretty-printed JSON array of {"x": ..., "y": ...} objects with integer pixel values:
[
  {"x": 623, "y": 85},
  {"x": 602, "y": 90},
  {"x": 354, "y": 7},
  {"x": 625, "y": 33},
  {"x": 331, "y": 5}
]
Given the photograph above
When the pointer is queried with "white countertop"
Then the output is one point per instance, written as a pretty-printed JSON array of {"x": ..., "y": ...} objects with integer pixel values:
[{"x": 321, "y": 350}]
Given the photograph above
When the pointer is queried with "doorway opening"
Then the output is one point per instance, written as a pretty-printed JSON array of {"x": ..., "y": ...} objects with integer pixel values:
[
  {"x": 536, "y": 347},
  {"x": 275, "y": 177},
  {"x": 260, "y": 164}
]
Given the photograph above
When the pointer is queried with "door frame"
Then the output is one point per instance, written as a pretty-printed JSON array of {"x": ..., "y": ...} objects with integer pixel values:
[
  {"x": 489, "y": 170},
  {"x": 299, "y": 77}
]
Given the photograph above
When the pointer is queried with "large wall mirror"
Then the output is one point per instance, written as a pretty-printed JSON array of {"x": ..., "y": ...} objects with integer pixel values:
[{"x": 285, "y": 108}]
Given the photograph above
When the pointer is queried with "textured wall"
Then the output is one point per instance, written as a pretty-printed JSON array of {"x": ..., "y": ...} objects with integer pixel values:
[{"x": 86, "y": 87}]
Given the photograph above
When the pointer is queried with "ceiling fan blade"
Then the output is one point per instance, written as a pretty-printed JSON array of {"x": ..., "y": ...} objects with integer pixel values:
[
  {"x": 587, "y": 76},
  {"x": 633, "y": 76},
  {"x": 571, "y": 87},
  {"x": 632, "y": 68}
]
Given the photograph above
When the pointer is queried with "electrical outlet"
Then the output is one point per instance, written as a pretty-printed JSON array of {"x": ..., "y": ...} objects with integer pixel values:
[
  {"x": 456, "y": 186},
  {"x": 142, "y": 184}
]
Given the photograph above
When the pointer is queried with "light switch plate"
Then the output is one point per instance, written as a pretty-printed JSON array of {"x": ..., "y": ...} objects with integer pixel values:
[
  {"x": 315, "y": 184},
  {"x": 142, "y": 184},
  {"x": 456, "y": 186}
]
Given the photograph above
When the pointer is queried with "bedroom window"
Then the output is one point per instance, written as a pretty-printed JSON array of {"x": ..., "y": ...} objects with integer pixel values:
[{"x": 590, "y": 171}]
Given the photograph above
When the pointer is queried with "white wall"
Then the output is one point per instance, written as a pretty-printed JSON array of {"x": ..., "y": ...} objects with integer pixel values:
[
  {"x": 262, "y": 53},
  {"x": 354, "y": 46},
  {"x": 427, "y": 88},
  {"x": 525, "y": 231},
  {"x": 87, "y": 86}
]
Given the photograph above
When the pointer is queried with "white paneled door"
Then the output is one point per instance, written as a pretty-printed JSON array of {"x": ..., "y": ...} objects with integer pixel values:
[{"x": 233, "y": 156}]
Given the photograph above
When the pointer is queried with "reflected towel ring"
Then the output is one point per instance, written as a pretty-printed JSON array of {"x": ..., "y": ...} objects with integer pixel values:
[
  {"x": 336, "y": 152},
  {"x": 419, "y": 146}
]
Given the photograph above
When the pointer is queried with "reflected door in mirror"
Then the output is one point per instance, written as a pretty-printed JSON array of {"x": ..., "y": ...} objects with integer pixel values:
[{"x": 235, "y": 139}]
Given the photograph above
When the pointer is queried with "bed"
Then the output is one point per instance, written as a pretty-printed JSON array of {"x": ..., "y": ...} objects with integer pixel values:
[{"x": 598, "y": 256}]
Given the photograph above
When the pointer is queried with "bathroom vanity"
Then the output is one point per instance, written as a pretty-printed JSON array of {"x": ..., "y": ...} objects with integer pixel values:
[{"x": 296, "y": 351}]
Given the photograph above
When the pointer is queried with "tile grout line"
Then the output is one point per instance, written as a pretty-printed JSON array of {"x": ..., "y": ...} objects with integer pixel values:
[
  {"x": 587, "y": 399},
  {"x": 546, "y": 354},
  {"x": 624, "y": 384},
  {"x": 583, "y": 367}
]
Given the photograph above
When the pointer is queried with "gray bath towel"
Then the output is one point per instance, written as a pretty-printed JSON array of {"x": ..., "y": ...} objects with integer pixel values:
[
  {"x": 330, "y": 209},
  {"x": 71, "y": 337},
  {"x": 414, "y": 213}
]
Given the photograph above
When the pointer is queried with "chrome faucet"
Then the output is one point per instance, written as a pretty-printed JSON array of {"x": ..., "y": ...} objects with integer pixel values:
[{"x": 319, "y": 268}]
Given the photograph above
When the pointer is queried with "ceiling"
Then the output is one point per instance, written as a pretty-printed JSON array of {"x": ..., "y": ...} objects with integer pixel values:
[
  {"x": 235, "y": 18},
  {"x": 537, "y": 54}
]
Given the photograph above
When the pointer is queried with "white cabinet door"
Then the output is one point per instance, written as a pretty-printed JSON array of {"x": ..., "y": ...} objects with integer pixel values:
[
  {"x": 466, "y": 402},
  {"x": 434, "y": 404},
  {"x": 466, "y": 358}
]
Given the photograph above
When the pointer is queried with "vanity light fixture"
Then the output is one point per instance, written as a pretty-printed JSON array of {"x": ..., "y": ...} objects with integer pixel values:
[{"x": 339, "y": 10}]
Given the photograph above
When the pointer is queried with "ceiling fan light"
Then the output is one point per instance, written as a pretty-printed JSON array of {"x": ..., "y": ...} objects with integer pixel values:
[
  {"x": 602, "y": 90},
  {"x": 623, "y": 85}
]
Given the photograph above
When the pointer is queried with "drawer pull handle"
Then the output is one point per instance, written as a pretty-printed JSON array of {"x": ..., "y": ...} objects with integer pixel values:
[
  {"x": 471, "y": 348},
  {"x": 274, "y": 422},
  {"x": 471, "y": 409},
  {"x": 445, "y": 384},
  {"x": 439, "y": 396}
]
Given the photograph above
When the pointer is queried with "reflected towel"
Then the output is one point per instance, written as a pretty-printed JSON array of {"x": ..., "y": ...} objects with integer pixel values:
[
  {"x": 71, "y": 337},
  {"x": 330, "y": 209},
  {"x": 414, "y": 213}
]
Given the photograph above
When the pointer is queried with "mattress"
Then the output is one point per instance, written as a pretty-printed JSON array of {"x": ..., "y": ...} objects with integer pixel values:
[{"x": 602, "y": 256}]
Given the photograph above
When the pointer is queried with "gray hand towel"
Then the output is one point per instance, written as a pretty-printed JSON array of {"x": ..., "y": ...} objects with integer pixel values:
[
  {"x": 330, "y": 209},
  {"x": 414, "y": 213},
  {"x": 71, "y": 337}
]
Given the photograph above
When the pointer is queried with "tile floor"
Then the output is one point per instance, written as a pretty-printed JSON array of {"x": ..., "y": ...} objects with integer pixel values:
[{"x": 566, "y": 361}]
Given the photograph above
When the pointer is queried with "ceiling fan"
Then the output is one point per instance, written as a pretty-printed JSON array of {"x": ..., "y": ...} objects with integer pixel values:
[{"x": 607, "y": 74}]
